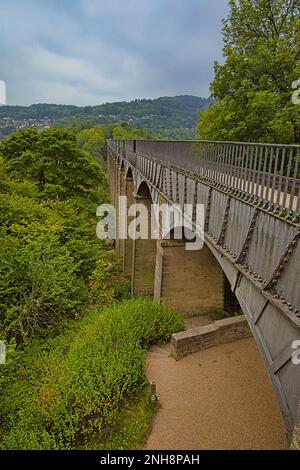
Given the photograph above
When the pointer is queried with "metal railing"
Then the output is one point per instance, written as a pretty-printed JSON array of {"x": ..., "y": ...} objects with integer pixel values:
[{"x": 268, "y": 173}]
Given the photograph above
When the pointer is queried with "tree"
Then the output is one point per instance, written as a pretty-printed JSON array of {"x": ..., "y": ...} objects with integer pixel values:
[
  {"x": 49, "y": 191},
  {"x": 123, "y": 131},
  {"x": 53, "y": 161},
  {"x": 253, "y": 88},
  {"x": 93, "y": 141}
]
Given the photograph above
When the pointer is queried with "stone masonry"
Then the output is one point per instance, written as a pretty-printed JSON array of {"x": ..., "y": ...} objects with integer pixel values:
[{"x": 190, "y": 281}]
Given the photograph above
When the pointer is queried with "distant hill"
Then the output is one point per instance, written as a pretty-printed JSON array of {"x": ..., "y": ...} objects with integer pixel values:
[{"x": 161, "y": 117}]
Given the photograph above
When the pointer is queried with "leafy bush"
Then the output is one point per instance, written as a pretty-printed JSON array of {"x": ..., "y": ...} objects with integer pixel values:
[
  {"x": 122, "y": 288},
  {"x": 48, "y": 252},
  {"x": 38, "y": 286},
  {"x": 64, "y": 392},
  {"x": 100, "y": 293}
]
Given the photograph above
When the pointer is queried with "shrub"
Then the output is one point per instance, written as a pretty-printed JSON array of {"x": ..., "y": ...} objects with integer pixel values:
[
  {"x": 73, "y": 387},
  {"x": 48, "y": 253},
  {"x": 100, "y": 294},
  {"x": 122, "y": 288},
  {"x": 38, "y": 286}
]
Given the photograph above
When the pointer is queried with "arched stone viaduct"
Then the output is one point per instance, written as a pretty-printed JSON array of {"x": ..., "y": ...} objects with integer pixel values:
[{"x": 251, "y": 196}]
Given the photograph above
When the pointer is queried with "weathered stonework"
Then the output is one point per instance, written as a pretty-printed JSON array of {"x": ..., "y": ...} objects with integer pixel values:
[
  {"x": 219, "y": 332},
  {"x": 143, "y": 257},
  {"x": 128, "y": 243},
  {"x": 122, "y": 212},
  {"x": 189, "y": 281}
]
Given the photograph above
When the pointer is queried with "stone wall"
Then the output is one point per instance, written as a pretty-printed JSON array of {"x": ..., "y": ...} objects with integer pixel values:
[
  {"x": 189, "y": 281},
  {"x": 143, "y": 256},
  {"x": 219, "y": 332}
]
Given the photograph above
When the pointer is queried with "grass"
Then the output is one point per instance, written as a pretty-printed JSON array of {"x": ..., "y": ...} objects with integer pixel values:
[
  {"x": 87, "y": 386},
  {"x": 131, "y": 427}
]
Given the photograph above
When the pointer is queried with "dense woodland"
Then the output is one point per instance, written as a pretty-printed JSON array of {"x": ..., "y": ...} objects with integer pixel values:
[
  {"x": 74, "y": 376},
  {"x": 166, "y": 117}
]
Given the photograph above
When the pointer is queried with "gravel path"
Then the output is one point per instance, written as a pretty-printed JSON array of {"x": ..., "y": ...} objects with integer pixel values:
[{"x": 218, "y": 398}]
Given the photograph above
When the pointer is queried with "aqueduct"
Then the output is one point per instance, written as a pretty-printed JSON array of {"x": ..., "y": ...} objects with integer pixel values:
[{"x": 251, "y": 196}]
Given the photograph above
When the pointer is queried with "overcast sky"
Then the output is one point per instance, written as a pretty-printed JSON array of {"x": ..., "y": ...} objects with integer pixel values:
[{"x": 93, "y": 51}]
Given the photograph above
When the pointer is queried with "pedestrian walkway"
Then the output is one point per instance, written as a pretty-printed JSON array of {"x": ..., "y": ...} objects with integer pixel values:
[{"x": 218, "y": 398}]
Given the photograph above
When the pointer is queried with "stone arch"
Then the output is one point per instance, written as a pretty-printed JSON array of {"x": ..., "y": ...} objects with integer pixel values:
[
  {"x": 189, "y": 280},
  {"x": 144, "y": 191},
  {"x": 128, "y": 173}
]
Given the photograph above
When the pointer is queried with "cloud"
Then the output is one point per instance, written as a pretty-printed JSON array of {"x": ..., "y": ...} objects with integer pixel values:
[{"x": 92, "y": 51}]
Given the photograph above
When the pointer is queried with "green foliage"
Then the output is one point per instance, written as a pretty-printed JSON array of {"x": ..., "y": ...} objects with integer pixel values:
[
  {"x": 48, "y": 251},
  {"x": 175, "y": 133},
  {"x": 165, "y": 117},
  {"x": 48, "y": 246},
  {"x": 73, "y": 388},
  {"x": 54, "y": 162},
  {"x": 122, "y": 288},
  {"x": 123, "y": 132},
  {"x": 132, "y": 426},
  {"x": 93, "y": 141},
  {"x": 38, "y": 286},
  {"x": 108, "y": 276},
  {"x": 253, "y": 88},
  {"x": 75, "y": 356},
  {"x": 100, "y": 294}
]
